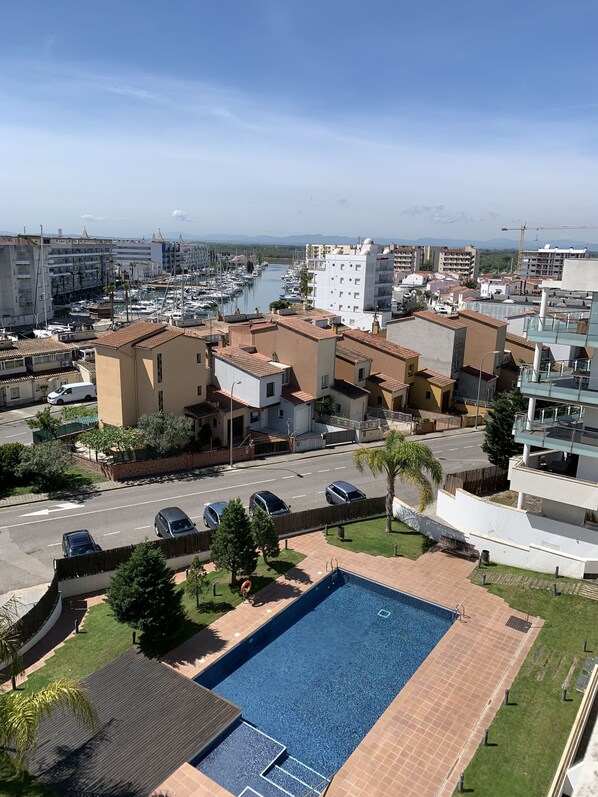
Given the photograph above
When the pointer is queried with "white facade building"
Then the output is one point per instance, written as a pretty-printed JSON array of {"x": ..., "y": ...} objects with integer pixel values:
[
  {"x": 464, "y": 262},
  {"x": 547, "y": 262},
  {"x": 357, "y": 286}
]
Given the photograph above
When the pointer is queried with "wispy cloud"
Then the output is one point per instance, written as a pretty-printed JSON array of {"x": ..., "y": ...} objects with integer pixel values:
[
  {"x": 181, "y": 215},
  {"x": 90, "y": 217}
]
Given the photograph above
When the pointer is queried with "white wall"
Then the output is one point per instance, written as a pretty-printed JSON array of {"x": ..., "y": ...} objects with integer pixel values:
[
  {"x": 251, "y": 390},
  {"x": 519, "y": 538}
]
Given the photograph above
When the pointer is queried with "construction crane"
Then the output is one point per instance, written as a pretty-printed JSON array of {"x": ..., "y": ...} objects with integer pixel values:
[{"x": 525, "y": 227}]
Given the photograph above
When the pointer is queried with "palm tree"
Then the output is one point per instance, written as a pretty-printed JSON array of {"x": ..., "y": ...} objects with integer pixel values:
[
  {"x": 21, "y": 713},
  {"x": 403, "y": 459}
]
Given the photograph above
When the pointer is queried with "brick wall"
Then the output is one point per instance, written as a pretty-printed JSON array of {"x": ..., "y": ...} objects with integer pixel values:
[{"x": 121, "y": 471}]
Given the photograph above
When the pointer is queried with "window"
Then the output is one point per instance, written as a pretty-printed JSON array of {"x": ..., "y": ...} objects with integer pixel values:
[
  {"x": 357, "y": 281},
  {"x": 360, "y": 374},
  {"x": 410, "y": 369},
  {"x": 160, "y": 400},
  {"x": 214, "y": 423},
  {"x": 199, "y": 390},
  {"x": 15, "y": 393},
  {"x": 269, "y": 389},
  {"x": 198, "y": 358},
  {"x": 428, "y": 395},
  {"x": 159, "y": 365},
  {"x": 281, "y": 413},
  {"x": 324, "y": 382},
  {"x": 337, "y": 407},
  {"x": 379, "y": 400}
]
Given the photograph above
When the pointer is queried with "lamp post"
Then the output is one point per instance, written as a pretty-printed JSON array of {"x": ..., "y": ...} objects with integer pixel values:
[
  {"x": 230, "y": 429},
  {"x": 477, "y": 403}
]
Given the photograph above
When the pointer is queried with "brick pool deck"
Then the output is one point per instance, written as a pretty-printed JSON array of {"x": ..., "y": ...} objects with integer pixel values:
[{"x": 431, "y": 730}]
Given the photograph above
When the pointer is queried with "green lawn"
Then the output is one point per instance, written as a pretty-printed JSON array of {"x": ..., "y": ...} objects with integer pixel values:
[
  {"x": 528, "y": 736},
  {"x": 19, "y": 784},
  {"x": 102, "y": 639},
  {"x": 74, "y": 478},
  {"x": 496, "y": 568},
  {"x": 370, "y": 536}
]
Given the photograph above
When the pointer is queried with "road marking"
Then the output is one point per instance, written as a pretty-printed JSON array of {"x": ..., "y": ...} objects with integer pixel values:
[
  {"x": 110, "y": 533},
  {"x": 467, "y": 447},
  {"x": 289, "y": 477},
  {"x": 324, "y": 471},
  {"x": 297, "y": 496},
  {"x": 437, "y": 452},
  {"x": 342, "y": 467},
  {"x": 453, "y": 449},
  {"x": 57, "y": 508},
  {"x": 130, "y": 506},
  {"x": 8, "y": 436},
  {"x": 53, "y": 544},
  {"x": 306, "y": 474}
]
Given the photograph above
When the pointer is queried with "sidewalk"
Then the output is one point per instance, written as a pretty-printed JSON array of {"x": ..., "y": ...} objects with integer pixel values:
[{"x": 30, "y": 498}]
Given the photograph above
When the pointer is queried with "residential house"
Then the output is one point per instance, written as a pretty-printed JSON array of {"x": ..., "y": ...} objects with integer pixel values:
[
  {"x": 145, "y": 367},
  {"x": 431, "y": 392},
  {"x": 439, "y": 339},
  {"x": 484, "y": 336}
]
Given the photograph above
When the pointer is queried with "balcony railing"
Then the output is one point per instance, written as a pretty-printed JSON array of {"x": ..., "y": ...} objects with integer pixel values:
[
  {"x": 561, "y": 428},
  {"x": 568, "y": 380},
  {"x": 574, "y": 327}
]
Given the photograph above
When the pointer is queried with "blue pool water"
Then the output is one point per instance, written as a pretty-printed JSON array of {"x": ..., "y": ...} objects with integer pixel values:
[{"x": 319, "y": 675}]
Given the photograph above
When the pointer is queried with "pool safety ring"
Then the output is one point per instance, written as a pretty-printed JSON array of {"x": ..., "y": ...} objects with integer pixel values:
[{"x": 246, "y": 588}]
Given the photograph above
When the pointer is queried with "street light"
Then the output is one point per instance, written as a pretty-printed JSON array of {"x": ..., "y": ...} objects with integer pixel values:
[
  {"x": 477, "y": 403},
  {"x": 230, "y": 430}
]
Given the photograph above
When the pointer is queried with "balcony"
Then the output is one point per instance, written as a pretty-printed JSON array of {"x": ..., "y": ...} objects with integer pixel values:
[
  {"x": 566, "y": 380},
  {"x": 570, "y": 330},
  {"x": 558, "y": 428},
  {"x": 552, "y": 486}
]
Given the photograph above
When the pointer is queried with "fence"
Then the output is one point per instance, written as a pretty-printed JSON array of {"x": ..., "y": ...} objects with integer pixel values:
[
  {"x": 390, "y": 415},
  {"x": 263, "y": 447},
  {"x": 310, "y": 519},
  {"x": 66, "y": 430},
  {"x": 448, "y": 422},
  {"x": 29, "y": 624},
  {"x": 347, "y": 423},
  {"x": 481, "y": 481}
]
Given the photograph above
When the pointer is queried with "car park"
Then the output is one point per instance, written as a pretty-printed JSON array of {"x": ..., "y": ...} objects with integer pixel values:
[
  {"x": 343, "y": 493},
  {"x": 212, "y": 514},
  {"x": 173, "y": 522},
  {"x": 270, "y": 503},
  {"x": 76, "y": 543}
]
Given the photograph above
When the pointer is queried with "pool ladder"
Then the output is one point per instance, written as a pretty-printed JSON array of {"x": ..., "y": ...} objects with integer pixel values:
[
  {"x": 333, "y": 568},
  {"x": 460, "y": 609}
]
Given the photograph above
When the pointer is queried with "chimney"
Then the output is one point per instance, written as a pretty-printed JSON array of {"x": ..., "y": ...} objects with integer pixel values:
[{"x": 375, "y": 325}]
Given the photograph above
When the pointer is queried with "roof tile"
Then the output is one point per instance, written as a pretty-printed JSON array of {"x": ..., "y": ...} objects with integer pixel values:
[{"x": 380, "y": 343}]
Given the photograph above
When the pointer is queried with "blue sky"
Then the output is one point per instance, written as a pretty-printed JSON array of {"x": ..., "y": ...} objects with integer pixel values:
[{"x": 284, "y": 117}]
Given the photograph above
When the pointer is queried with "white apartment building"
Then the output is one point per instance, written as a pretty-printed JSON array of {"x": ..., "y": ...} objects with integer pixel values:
[
  {"x": 464, "y": 262},
  {"x": 356, "y": 286},
  {"x": 126, "y": 253},
  {"x": 547, "y": 262},
  {"x": 319, "y": 251}
]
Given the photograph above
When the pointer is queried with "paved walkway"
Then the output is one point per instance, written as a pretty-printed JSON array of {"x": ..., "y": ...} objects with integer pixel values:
[{"x": 431, "y": 730}]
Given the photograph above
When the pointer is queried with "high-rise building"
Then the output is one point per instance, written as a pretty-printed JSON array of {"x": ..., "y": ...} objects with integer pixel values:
[
  {"x": 464, "y": 262},
  {"x": 357, "y": 285},
  {"x": 548, "y": 262},
  {"x": 319, "y": 251}
]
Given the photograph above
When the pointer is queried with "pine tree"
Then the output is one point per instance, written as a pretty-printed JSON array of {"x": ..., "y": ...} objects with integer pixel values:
[
  {"x": 232, "y": 546},
  {"x": 196, "y": 579},
  {"x": 264, "y": 534},
  {"x": 142, "y": 593},
  {"x": 499, "y": 442}
]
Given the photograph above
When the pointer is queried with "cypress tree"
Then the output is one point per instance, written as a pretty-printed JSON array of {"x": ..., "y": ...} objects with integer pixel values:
[
  {"x": 499, "y": 442},
  {"x": 264, "y": 534},
  {"x": 232, "y": 545}
]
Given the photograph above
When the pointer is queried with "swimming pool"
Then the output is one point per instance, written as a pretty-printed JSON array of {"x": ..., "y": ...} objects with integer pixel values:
[{"x": 318, "y": 676}]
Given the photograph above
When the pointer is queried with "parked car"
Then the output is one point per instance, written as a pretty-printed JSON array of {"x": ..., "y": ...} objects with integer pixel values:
[
  {"x": 270, "y": 503},
  {"x": 75, "y": 543},
  {"x": 343, "y": 493},
  {"x": 172, "y": 522},
  {"x": 212, "y": 513},
  {"x": 77, "y": 391}
]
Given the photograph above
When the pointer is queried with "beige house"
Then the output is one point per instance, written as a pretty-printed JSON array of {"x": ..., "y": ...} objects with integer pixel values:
[
  {"x": 146, "y": 367},
  {"x": 484, "y": 336}
]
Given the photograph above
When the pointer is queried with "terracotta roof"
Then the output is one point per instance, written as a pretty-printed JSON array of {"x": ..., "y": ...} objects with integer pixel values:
[
  {"x": 162, "y": 337},
  {"x": 296, "y": 396},
  {"x": 254, "y": 364},
  {"x": 380, "y": 343},
  {"x": 132, "y": 334},
  {"x": 349, "y": 390},
  {"x": 483, "y": 319},
  {"x": 221, "y": 400},
  {"x": 305, "y": 328},
  {"x": 350, "y": 355},
  {"x": 29, "y": 347},
  {"x": 387, "y": 383},
  {"x": 519, "y": 340},
  {"x": 434, "y": 378},
  {"x": 27, "y": 377},
  {"x": 486, "y": 377},
  {"x": 441, "y": 319}
]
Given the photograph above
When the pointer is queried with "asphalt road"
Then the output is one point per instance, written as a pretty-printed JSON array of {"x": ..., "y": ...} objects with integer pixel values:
[
  {"x": 30, "y": 534},
  {"x": 13, "y": 423}
]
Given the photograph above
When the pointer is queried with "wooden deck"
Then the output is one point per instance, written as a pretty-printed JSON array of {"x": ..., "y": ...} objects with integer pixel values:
[{"x": 154, "y": 721}]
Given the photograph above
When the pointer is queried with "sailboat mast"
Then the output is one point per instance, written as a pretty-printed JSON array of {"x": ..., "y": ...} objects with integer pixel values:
[{"x": 41, "y": 262}]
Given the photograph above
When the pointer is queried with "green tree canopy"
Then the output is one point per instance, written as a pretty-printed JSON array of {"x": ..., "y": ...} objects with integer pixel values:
[
  {"x": 405, "y": 460},
  {"x": 499, "y": 442},
  {"x": 112, "y": 438},
  {"x": 164, "y": 431},
  {"x": 46, "y": 463},
  {"x": 45, "y": 421},
  {"x": 10, "y": 459},
  {"x": 197, "y": 579},
  {"x": 264, "y": 534},
  {"x": 326, "y": 406},
  {"x": 142, "y": 594},
  {"x": 232, "y": 545}
]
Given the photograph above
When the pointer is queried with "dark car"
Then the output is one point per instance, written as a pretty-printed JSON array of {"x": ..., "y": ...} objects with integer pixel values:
[
  {"x": 75, "y": 543},
  {"x": 213, "y": 512},
  {"x": 270, "y": 503},
  {"x": 343, "y": 493},
  {"x": 173, "y": 522}
]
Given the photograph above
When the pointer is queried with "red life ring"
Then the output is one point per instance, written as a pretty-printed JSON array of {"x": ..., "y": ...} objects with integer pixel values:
[{"x": 246, "y": 587}]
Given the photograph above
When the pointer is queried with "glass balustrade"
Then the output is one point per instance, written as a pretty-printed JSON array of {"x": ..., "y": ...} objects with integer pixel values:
[
  {"x": 565, "y": 380},
  {"x": 574, "y": 329}
]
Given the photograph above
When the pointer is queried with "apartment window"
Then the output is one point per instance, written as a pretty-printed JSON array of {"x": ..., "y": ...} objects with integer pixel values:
[
  {"x": 357, "y": 281},
  {"x": 410, "y": 370},
  {"x": 337, "y": 407},
  {"x": 324, "y": 382},
  {"x": 360, "y": 374},
  {"x": 269, "y": 389},
  {"x": 199, "y": 390},
  {"x": 281, "y": 413},
  {"x": 159, "y": 364},
  {"x": 15, "y": 393},
  {"x": 341, "y": 293},
  {"x": 214, "y": 423},
  {"x": 428, "y": 395},
  {"x": 160, "y": 401},
  {"x": 358, "y": 267},
  {"x": 356, "y": 295},
  {"x": 198, "y": 358}
]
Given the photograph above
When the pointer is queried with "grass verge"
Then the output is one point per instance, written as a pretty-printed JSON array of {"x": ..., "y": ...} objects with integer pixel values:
[
  {"x": 527, "y": 737},
  {"x": 74, "y": 478},
  {"x": 371, "y": 537}
]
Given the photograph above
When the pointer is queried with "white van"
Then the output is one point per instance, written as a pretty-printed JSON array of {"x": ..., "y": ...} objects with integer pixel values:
[{"x": 77, "y": 391}]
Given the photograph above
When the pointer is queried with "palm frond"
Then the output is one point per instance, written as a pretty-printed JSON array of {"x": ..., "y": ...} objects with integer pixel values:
[
  {"x": 417, "y": 479},
  {"x": 10, "y": 639}
]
